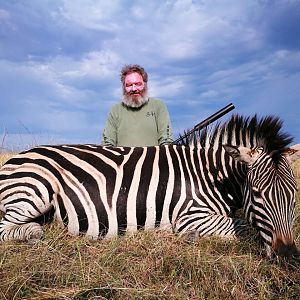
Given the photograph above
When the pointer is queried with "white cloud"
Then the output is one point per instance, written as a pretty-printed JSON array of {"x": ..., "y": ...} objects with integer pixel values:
[
  {"x": 96, "y": 64},
  {"x": 4, "y": 15},
  {"x": 190, "y": 29},
  {"x": 92, "y": 14},
  {"x": 258, "y": 70},
  {"x": 55, "y": 74},
  {"x": 166, "y": 87},
  {"x": 209, "y": 94}
]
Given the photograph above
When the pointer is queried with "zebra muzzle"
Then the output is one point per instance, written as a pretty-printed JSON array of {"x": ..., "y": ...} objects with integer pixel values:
[{"x": 286, "y": 250}]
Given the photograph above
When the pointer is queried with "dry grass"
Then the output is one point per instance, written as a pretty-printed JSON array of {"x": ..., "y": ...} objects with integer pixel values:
[
  {"x": 146, "y": 265},
  {"x": 4, "y": 156}
]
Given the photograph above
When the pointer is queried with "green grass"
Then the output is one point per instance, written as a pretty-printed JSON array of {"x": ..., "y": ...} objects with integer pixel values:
[{"x": 146, "y": 265}]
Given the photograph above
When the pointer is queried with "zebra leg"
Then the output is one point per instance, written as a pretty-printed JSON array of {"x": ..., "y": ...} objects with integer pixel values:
[
  {"x": 23, "y": 232},
  {"x": 18, "y": 220},
  {"x": 196, "y": 221}
]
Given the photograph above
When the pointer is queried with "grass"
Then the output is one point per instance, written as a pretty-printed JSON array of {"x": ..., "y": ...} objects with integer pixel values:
[
  {"x": 146, "y": 265},
  {"x": 5, "y": 156}
]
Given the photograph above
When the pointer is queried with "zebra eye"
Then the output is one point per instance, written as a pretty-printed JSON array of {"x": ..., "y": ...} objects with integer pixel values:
[{"x": 256, "y": 193}]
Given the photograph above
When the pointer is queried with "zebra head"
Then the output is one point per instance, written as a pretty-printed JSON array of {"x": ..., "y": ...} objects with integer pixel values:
[{"x": 269, "y": 195}]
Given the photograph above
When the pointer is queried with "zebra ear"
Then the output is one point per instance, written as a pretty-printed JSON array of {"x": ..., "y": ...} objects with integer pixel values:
[
  {"x": 292, "y": 153},
  {"x": 243, "y": 154},
  {"x": 232, "y": 150}
]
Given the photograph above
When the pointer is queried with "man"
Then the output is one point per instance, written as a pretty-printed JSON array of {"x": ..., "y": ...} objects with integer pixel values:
[{"x": 138, "y": 120}]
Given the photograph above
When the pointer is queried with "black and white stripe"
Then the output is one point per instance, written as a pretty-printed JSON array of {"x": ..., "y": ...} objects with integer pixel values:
[{"x": 191, "y": 189}]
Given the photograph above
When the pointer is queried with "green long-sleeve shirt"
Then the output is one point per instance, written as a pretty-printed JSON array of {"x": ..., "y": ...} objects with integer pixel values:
[{"x": 148, "y": 125}]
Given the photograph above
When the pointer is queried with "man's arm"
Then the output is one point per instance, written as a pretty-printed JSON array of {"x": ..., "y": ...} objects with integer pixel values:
[
  {"x": 164, "y": 126},
  {"x": 109, "y": 136}
]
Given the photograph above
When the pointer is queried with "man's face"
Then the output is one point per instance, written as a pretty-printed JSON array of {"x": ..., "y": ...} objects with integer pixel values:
[
  {"x": 135, "y": 90},
  {"x": 134, "y": 83}
]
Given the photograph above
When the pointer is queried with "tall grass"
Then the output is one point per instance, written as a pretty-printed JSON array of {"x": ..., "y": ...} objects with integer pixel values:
[{"x": 145, "y": 265}]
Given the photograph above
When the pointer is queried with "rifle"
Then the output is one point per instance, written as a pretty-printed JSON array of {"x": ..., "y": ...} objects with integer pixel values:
[{"x": 220, "y": 113}]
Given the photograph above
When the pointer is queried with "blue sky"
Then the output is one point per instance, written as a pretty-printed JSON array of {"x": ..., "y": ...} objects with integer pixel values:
[{"x": 60, "y": 62}]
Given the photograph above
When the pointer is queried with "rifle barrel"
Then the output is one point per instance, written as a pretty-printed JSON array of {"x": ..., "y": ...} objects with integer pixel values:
[{"x": 220, "y": 113}]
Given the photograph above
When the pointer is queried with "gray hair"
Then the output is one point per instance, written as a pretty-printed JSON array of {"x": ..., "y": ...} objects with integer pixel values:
[{"x": 128, "y": 69}]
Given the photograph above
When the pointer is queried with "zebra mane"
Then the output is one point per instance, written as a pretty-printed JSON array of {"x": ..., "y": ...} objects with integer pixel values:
[{"x": 246, "y": 131}]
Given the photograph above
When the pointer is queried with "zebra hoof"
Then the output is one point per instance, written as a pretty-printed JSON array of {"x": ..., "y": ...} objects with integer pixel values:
[{"x": 33, "y": 233}]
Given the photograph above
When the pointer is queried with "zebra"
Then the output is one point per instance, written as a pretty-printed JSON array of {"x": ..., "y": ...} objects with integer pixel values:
[{"x": 192, "y": 188}]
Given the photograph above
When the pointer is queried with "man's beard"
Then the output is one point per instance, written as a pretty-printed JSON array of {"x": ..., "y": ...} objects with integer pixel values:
[{"x": 135, "y": 100}]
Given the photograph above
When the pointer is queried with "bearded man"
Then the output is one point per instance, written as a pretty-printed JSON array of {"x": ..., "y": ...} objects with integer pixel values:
[{"x": 138, "y": 120}]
